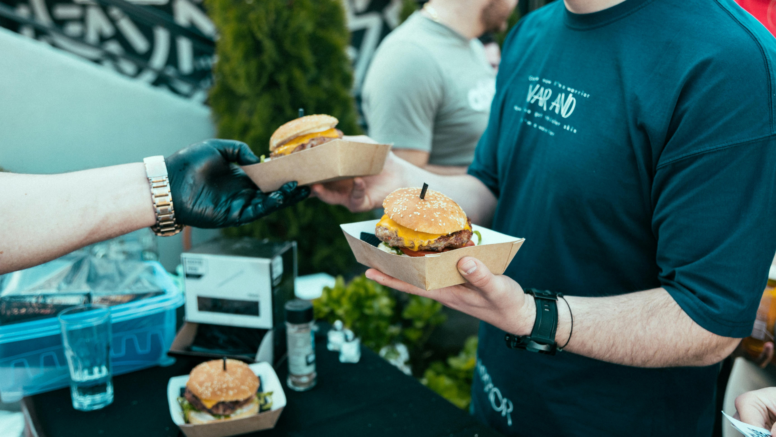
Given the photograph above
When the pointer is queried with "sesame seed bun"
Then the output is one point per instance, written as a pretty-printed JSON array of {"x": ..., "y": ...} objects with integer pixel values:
[
  {"x": 301, "y": 126},
  {"x": 435, "y": 214},
  {"x": 210, "y": 381}
]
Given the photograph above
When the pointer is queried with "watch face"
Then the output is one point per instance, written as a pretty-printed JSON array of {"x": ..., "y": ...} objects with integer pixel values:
[{"x": 167, "y": 43}]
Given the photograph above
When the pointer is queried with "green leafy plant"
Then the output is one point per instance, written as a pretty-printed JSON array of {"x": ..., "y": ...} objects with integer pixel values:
[
  {"x": 274, "y": 57},
  {"x": 408, "y": 7},
  {"x": 453, "y": 379},
  {"x": 365, "y": 307},
  {"x": 375, "y": 314}
]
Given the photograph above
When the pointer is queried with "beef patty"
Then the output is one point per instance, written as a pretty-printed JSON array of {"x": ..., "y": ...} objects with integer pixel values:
[
  {"x": 317, "y": 141},
  {"x": 451, "y": 241},
  {"x": 219, "y": 409}
]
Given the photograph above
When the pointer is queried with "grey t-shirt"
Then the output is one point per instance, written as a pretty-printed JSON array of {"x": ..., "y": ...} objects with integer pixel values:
[{"x": 429, "y": 88}]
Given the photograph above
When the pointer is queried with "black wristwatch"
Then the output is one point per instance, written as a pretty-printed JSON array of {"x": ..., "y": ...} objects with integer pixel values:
[{"x": 542, "y": 338}]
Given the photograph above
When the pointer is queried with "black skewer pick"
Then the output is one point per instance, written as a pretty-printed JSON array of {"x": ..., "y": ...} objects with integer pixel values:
[
  {"x": 301, "y": 112},
  {"x": 224, "y": 364},
  {"x": 423, "y": 191}
]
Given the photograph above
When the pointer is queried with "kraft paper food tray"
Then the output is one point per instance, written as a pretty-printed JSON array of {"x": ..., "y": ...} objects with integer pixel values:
[
  {"x": 225, "y": 428},
  {"x": 431, "y": 272},
  {"x": 331, "y": 161}
]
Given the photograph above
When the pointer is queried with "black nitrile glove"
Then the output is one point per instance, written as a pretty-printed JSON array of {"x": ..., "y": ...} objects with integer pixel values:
[{"x": 208, "y": 191}]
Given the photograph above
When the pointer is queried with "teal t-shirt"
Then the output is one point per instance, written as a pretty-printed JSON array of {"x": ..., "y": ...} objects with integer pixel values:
[{"x": 633, "y": 148}]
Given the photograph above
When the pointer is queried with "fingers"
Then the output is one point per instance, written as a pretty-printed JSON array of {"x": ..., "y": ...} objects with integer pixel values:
[
  {"x": 288, "y": 188},
  {"x": 752, "y": 410},
  {"x": 262, "y": 205},
  {"x": 350, "y": 193},
  {"x": 333, "y": 192},
  {"x": 766, "y": 355},
  {"x": 235, "y": 151},
  {"x": 357, "y": 196},
  {"x": 390, "y": 282}
]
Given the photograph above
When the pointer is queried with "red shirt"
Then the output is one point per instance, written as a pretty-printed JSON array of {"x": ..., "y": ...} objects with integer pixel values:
[{"x": 763, "y": 10}]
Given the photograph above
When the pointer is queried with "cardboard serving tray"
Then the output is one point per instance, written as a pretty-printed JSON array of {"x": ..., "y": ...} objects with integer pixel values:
[
  {"x": 331, "y": 161},
  {"x": 225, "y": 428},
  {"x": 431, "y": 272}
]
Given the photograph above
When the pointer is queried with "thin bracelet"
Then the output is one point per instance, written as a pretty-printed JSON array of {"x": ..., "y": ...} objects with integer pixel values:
[{"x": 571, "y": 331}]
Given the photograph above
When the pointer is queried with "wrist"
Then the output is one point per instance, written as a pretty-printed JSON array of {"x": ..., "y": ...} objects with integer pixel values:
[
  {"x": 527, "y": 316},
  {"x": 144, "y": 204},
  {"x": 563, "y": 333}
]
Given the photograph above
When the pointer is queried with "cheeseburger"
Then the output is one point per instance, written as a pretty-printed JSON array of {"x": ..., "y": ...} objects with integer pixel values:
[
  {"x": 221, "y": 390},
  {"x": 303, "y": 133},
  {"x": 417, "y": 227}
]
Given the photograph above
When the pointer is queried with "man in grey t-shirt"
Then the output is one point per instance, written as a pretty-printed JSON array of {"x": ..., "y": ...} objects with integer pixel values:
[{"x": 429, "y": 87}]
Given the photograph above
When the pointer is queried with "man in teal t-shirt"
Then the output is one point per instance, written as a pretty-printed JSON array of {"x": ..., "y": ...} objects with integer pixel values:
[
  {"x": 633, "y": 145},
  {"x": 634, "y": 149}
]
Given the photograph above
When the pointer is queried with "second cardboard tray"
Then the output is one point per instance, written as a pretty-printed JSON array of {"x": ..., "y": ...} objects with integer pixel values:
[
  {"x": 334, "y": 160},
  {"x": 431, "y": 272}
]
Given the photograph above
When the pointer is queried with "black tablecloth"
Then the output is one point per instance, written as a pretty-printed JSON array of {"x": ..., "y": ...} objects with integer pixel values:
[{"x": 369, "y": 398}]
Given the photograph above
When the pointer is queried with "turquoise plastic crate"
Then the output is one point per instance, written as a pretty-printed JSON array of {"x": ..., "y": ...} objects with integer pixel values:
[{"x": 32, "y": 359}]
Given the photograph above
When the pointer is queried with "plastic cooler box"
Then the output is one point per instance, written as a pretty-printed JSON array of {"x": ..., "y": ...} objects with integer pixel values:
[{"x": 32, "y": 358}]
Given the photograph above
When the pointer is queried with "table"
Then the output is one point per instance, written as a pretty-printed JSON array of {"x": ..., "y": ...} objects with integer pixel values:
[{"x": 369, "y": 398}]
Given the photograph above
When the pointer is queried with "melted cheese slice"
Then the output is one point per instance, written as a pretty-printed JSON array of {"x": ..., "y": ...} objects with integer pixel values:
[
  {"x": 289, "y": 147},
  {"x": 412, "y": 239},
  {"x": 208, "y": 403}
]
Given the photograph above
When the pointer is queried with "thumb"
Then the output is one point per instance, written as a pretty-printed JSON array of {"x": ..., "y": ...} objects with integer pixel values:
[
  {"x": 236, "y": 152},
  {"x": 477, "y": 274}
]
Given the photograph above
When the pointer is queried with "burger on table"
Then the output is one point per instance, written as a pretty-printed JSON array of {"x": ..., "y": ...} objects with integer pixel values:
[{"x": 222, "y": 390}]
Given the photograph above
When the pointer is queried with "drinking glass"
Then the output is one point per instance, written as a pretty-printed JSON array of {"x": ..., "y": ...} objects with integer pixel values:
[{"x": 86, "y": 334}]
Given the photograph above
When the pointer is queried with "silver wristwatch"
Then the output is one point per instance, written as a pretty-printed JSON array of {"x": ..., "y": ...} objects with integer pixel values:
[{"x": 156, "y": 171}]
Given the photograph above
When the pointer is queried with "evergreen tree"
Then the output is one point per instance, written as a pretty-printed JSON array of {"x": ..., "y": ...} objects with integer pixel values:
[{"x": 274, "y": 57}]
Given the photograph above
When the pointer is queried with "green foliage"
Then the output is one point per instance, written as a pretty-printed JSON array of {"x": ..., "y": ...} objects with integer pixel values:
[
  {"x": 274, "y": 57},
  {"x": 364, "y": 306},
  {"x": 375, "y": 315},
  {"x": 453, "y": 379},
  {"x": 408, "y": 7},
  {"x": 422, "y": 313}
]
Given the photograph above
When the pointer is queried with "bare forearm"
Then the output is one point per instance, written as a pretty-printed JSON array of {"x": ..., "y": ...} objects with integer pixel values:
[
  {"x": 642, "y": 329},
  {"x": 472, "y": 195},
  {"x": 43, "y": 217}
]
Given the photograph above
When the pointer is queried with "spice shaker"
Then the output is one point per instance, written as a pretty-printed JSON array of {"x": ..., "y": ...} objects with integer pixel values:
[{"x": 301, "y": 345}]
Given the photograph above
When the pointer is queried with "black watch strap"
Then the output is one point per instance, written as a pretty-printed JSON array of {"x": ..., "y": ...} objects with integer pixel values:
[{"x": 542, "y": 338}]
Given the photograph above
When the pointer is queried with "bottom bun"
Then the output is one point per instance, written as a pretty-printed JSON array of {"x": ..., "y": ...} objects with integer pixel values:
[{"x": 198, "y": 417}]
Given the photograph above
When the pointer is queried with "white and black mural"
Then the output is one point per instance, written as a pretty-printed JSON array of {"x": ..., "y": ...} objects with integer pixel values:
[{"x": 166, "y": 43}]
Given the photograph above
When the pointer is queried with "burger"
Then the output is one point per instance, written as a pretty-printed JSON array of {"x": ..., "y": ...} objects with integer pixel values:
[
  {"x": 416, "y": 226},
  {"x": 303, "y": 133},
  {"x": 222, "y": 390}
]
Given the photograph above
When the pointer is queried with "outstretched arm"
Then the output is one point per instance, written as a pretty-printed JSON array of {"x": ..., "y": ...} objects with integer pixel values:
[
  {"x": 368, "y": 193},
  {"x": 643, "y": 329},
  {"x": 43, "y": 217}
]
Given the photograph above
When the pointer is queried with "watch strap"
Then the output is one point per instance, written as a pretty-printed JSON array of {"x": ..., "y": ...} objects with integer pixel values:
[
  {"x": 542, "y": 338},
  {"x": 156, "y": 171}
]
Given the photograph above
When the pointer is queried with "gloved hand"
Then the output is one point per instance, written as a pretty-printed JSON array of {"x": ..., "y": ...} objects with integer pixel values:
[{"x": 208, "y": 191}]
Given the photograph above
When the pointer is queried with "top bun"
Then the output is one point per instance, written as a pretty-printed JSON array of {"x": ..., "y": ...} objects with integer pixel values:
[
  {"x": 435, "y": 214},
  {"x": 308, "y": 124},
  {"x": 210, "y": 381}
]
